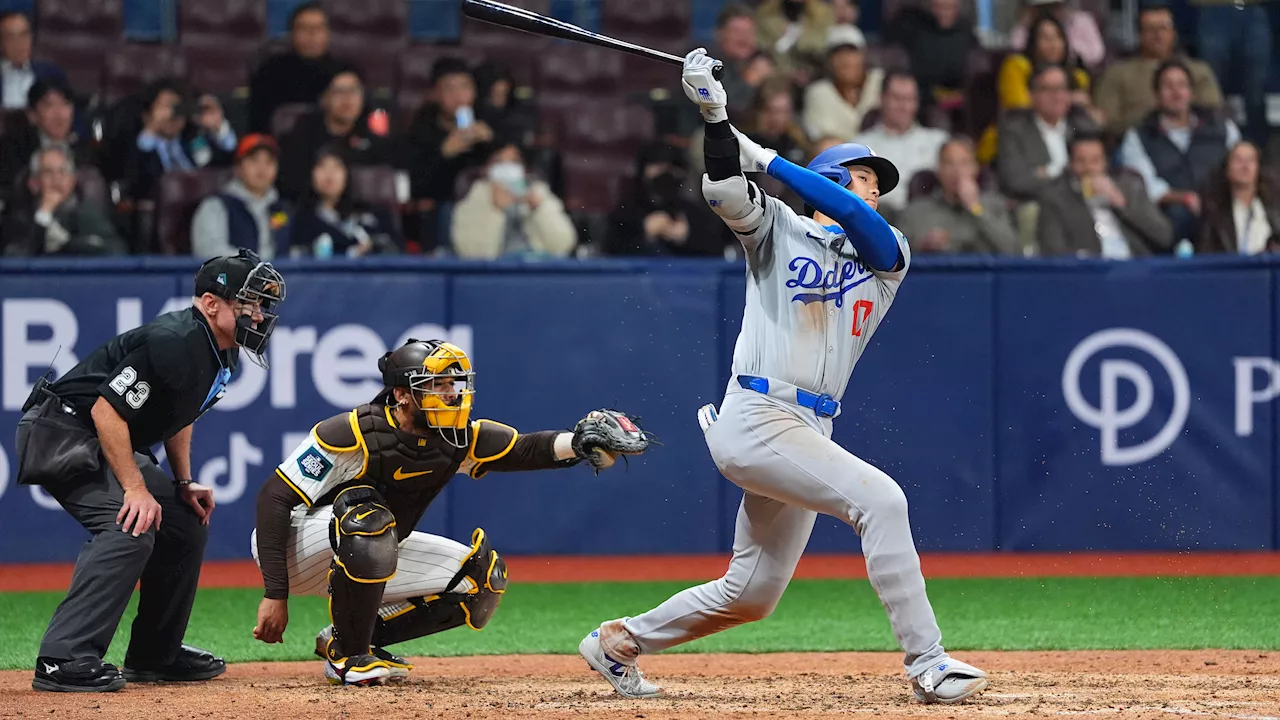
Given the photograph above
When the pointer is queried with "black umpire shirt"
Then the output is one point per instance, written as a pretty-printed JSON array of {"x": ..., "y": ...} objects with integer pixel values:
[{"x": 159, "y": 377}]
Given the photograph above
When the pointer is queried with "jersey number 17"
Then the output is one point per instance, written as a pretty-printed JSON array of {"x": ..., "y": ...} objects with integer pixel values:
[{"x": 861, "y": 312}]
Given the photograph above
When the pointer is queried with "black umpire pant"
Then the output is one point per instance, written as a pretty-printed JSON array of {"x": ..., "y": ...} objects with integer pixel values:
[{"x": 112, "y": 562}]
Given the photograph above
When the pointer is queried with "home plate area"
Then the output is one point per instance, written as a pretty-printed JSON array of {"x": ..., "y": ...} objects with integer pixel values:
[{"x": 1130, "y": 684}]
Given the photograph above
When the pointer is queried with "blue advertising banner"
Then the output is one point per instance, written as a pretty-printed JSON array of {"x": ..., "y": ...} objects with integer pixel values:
[{"x": 1022, "y": 405}]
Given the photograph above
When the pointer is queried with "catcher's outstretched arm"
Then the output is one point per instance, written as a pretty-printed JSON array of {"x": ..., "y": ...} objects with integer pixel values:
[{"x": 542, "y": 450}]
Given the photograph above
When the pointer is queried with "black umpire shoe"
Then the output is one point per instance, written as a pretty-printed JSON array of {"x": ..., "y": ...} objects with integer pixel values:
[
  {"x": 83, "y": 675},
  {"x": 192, "y": 664}
]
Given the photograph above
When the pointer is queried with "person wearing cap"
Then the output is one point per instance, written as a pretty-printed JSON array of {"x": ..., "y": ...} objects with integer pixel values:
[
  {"x": 836, "y": 104},
  {"x": 1080, "y": 27},
  {"x": 86, "y": 438},
  {"x": 247, "y": 212},
  {"x": 50, "y": 121},
  {"x": 341, "y": 119}
]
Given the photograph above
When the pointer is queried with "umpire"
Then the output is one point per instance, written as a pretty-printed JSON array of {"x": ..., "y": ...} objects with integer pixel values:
[{"x": 142, "y": 388}]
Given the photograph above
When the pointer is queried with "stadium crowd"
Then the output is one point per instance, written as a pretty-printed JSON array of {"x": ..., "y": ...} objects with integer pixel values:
[{"x": 1059, "y": 144}]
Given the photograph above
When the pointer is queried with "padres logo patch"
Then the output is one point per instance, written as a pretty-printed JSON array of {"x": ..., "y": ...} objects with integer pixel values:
[{"x": 313, "y": 465}]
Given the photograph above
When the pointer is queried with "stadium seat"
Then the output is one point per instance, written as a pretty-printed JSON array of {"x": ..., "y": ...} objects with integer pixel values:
[
  {"x": 103, "y": 19},
  {"x": 180, "y": 193},
  {"x": 386, "y": 21},
  {"x": 285, "y": 116},
  {"x": 889, "y": 57},
  {"x": 219, "y": 70},
  {"x": 613, "y": 126},
  {"x": 664, "y": 22},
  {"x": 240, "y": 21},
  {"x": 374, "y": 185},
  {"x": 92, "y": 186},
  {"x": 592, "y": 181},
  {"x": 80, "y": 57},
  {"x": 582, "y": 67},
  {"x": 132, "y": 66}
]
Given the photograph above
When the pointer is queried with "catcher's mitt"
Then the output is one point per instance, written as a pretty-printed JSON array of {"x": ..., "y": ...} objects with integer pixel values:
[{"x": 604, "y": 434}]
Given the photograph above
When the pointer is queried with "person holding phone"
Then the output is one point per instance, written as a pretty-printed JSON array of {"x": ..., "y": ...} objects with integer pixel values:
[
  {"x": 507, "y": 213},
  {"x": 179, "y": 133},
  {"x": 445, "y": 137}
]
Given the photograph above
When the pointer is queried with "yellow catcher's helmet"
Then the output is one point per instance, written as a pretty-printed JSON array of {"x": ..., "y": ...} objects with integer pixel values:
[{"x": 440, "y": 376}]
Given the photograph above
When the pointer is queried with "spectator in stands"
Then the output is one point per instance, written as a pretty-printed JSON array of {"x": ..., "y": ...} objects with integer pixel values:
[
  {"x": 1123, "y": 93},
  {"x": 341, "y": 118},
  {"x": 938, "y": 41},
  {"x": 330, "y": 223},
  {"x": 57, "y": 222},
  {"x": 499, "y": 106},
  {"x": 50, "y": 120},
  {"x": 1177, "y": 146},
  {"x": 1048, "y": 47},
  {"x": 958, "y": 217},
  {"x": 168, "y": 142},
  {"x": 508, "y": 213},
  {"x": 736, "y": 45},
  {"x": 825, "y": 143},
  {"x": 758, "y": 69},
  {"x": 795, "y": 34},
  {"x": 844, "y": 12},
  {"x": 298, "y": 75},
  {"x": 17, "y": 70},
  {"x": 1080, "y": 29},
  {"x": 1033, "y": 142},
  {"x": 836, "y": 104},
  {"x": 659, "y": 219},
  {"x": 1241, "y": 206},
  {"x": 899, "y": 135},
  {"x": 773, "y": 121},
  {"x": 1237, "y": 34},
  {"x": 445, "y": 136},
  {"x": 1090, "y": 212},
  {"x": 248, "y": 212}
]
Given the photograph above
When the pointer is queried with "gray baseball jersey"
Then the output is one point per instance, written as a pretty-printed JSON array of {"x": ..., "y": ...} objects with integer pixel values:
[{"x": 812, "y": 307}]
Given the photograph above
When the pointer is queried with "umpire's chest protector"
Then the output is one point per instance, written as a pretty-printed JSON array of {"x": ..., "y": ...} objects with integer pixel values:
[{"x": 408, "y": 469}]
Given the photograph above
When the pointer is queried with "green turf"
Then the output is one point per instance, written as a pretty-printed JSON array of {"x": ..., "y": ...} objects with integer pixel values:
[{"x": 815, "y": 615}]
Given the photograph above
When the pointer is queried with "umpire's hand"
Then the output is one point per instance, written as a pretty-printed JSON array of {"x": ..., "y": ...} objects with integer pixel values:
[
  {"x": 200, "y": 498},
  {"x": 138, "y": 512}
]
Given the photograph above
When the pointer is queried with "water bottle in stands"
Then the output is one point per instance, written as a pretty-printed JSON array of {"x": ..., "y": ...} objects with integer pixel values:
[
  {"x": 324, "y": 246},
  {"x": 1184, "y": 249}
]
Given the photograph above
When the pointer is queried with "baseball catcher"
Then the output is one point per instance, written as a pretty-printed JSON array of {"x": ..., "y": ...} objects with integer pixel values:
[{"x": 337, "y": 516}]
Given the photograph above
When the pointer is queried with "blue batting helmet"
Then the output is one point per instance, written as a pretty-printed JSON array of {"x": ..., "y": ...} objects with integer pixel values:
[{"x": 833, "y": 164}]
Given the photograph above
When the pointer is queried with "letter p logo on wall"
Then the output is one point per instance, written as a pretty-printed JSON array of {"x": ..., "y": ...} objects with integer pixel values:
[{"x": 1110, "y": 419}]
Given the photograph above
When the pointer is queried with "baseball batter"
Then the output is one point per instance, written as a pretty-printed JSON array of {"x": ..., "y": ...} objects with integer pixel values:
[
  {"x": 338, "y": 515},
  {"x": 817, "y": 288}
]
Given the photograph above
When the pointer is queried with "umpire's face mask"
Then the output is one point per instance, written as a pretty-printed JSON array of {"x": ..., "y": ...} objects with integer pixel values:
[{"x": 257, "y": 305}]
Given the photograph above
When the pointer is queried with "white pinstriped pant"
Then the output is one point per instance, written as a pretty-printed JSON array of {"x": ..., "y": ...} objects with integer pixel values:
[{"x": 426, "y": 565}]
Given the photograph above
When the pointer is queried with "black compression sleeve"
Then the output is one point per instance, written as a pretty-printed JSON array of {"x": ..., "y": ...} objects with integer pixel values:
[
  {"x": 276, "y": 501},
  {"x": 720, "y": 150},
  {"x": 535, "y": 451}
]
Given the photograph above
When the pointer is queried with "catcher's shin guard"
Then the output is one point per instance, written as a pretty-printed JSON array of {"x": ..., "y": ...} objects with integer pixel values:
[
  {"x": 477, "y": 589},
  {"x": 365, "y": 553}
]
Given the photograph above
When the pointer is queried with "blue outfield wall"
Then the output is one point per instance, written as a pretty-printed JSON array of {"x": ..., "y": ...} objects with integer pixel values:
[{"x": 1022, "y": 405}]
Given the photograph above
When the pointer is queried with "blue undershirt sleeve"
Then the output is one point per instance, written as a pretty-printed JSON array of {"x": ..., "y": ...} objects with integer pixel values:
[{"x": 869, "y": 233}]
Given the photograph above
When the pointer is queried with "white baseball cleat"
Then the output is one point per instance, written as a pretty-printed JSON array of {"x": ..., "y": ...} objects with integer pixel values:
[
  {"x": 948, "y": 681},
  {"x": 626, "y": 679}
]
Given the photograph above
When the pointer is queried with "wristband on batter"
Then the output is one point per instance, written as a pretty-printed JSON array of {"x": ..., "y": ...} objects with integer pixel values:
[
  {"x": 720, "y": 151},
  {"x": 182, "y": 482}
]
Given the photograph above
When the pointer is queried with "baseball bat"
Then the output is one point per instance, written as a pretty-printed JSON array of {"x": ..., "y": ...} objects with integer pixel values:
[{"x": 507, "y": 16}]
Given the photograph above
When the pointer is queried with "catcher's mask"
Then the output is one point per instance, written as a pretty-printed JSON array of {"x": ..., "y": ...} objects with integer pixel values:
[
  {"x": 245, "y": 280},
  {"x": 440, "y": 377}
]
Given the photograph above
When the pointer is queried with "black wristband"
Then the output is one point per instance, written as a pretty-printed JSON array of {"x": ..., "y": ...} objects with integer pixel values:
[
  {"x": 720, "y": 151},
  {"x": 182, "y": 482}
]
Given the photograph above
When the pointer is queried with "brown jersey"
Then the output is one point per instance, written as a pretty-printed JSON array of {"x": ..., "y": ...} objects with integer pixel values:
[{"x": 366, "y": 447}]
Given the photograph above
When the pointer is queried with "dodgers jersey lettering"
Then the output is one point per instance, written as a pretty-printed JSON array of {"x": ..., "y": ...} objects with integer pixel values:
[{"x": 812, "y": 305}]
